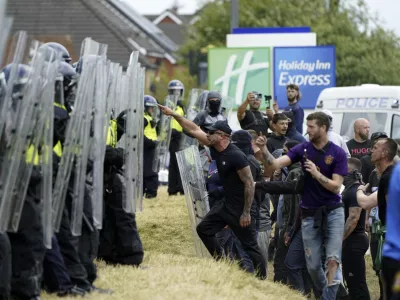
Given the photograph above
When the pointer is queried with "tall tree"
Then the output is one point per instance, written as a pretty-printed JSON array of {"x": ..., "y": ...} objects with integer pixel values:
[{"x": 365, "y": 51}]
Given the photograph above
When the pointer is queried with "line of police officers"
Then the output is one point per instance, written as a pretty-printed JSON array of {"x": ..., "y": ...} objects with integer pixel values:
[{"x": 26, "y": 266}]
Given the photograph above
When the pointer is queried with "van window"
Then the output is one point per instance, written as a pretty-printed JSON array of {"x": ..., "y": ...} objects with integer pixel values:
[
  {"x": 395, "y": 132},
  {"x": 377, "y": 121}
]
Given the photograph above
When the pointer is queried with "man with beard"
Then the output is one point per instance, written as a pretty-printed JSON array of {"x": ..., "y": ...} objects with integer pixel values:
[
  {"x": 237, "y": 181},
  {"x": 322, "y": 212},
  {"x": 252, "y": 118},
  {"x": 355, "y": 241},
  {"x": 293, "y": 96},
  {"x": 360, "y": 144}
]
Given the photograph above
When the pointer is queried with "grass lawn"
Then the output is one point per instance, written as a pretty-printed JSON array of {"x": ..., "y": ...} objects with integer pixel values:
[{"x": 171, "y": 270}]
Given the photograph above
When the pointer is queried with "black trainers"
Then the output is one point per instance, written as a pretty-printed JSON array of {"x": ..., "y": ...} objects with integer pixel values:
[{"x": 74, "y": 291}]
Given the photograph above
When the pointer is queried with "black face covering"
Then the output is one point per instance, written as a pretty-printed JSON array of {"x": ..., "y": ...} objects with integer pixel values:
[{"x": 214, "y": 106}]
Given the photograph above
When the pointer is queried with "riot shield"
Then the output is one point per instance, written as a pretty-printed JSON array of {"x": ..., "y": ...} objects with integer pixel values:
[
  {"x": 93, "y": 63},
  {"x": 195, "y": 105},
  {"x": 5, "y": 28},
  {"x": 46, "y": 162},
  {"x": 130, "y": 137},
  {"x": 161, "y": 157},
  {"x": 139, "y": 171},
  {"x": 98, "y": 148},
  {"x": 195, "y": 192},
  {"x": 22, "y": 112}
]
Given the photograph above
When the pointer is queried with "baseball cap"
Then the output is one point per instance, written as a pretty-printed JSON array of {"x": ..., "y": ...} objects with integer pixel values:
[
  {"x": 241, "y": 137},
  {"x": 378, "y": 135},
  {"x": 221, "y": 126}
]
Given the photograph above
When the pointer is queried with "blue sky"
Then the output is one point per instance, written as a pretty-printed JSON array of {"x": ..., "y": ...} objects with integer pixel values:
[{"x": 387, "y": 10}]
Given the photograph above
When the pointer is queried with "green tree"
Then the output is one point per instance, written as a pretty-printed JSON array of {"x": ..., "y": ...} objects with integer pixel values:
[{"x": 365, "y": 51}]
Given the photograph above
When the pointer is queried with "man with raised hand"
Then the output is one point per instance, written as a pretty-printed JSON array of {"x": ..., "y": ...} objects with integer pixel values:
[
  {"x": 322, "y": 212},
  {"x": 237, "y": 181}
]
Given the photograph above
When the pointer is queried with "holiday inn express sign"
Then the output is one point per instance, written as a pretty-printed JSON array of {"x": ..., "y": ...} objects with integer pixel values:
[{"x": 236, "y": 71}]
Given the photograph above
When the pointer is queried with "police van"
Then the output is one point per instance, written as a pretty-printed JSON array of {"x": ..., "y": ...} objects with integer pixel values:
[{"x": 376, "y": 103}]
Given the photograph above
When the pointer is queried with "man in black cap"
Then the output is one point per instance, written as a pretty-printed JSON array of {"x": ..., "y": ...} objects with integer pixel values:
[{"x": 237, "y": 181}]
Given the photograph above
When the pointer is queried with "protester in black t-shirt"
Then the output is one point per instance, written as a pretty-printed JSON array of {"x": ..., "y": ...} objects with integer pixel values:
[
  {"x": 278, "y": 138},
  {"x": 382, "y": 155},
  {"x": 237, "y": 181},
  {"x": 355, "y": 241},
  {"x": 252, "y": 118},
  {"x": 360, "y": 144}
]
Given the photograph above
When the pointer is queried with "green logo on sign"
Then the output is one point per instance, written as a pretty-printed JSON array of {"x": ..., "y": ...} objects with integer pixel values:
[{"x": 236, "y": 71}]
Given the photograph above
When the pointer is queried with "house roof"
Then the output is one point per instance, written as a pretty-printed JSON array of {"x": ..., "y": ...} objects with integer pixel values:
[
  {"x": 176, "y": 32},
  {"x": 70, "y": 24},
  {"x": 146, "y": 26}
]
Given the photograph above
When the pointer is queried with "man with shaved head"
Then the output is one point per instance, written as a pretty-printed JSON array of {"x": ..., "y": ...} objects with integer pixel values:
[{"x": 361, "y": 144}]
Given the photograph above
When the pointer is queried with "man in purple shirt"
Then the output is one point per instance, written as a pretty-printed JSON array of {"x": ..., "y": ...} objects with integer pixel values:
[{"x": 322, "y": 212}]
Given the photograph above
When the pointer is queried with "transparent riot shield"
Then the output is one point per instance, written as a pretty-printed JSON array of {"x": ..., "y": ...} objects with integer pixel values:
[
  {"x": 139, "y": 171},
  {"x": 100, "y": 128},
  {"x": 195, "y": 192},
  {"x": 161, "y": 156},
  {"x": 94, "y": 68},
  {"x": 5, "y": 28},
  {"x": 195, "y": 105},
  {"x": 131, "y": 134},
  {"x": 227, "y": 104},
  {"x": 22, "y": 110},
  {"x": 46, "y": 162},
  {"x": 72, "y": 137}
]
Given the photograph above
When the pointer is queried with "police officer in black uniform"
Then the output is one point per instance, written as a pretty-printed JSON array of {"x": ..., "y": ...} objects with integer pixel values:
[{"x": 206, "y": 118}]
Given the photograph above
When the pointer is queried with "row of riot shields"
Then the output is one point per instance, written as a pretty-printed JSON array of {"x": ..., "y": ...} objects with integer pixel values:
[{"x": 27, "y": 93}]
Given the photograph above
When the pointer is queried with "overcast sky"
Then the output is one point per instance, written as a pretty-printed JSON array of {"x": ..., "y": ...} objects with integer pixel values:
[{"x": 388, "y": 10}]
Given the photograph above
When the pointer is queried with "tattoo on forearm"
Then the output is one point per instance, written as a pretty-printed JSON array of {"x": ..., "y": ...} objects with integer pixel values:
[
  {"x": 351, "y": 222},
  {"x": 247, "y": 179},
  {"x": 323, "y": 179},
  {"x": 268, "y": 158},
  {"x": 248, "y": 196},
  {"x": 349, "y": 226}
]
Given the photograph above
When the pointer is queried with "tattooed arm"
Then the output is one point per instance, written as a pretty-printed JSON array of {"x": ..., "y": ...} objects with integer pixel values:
[
  {"x": 248, "y": 181},
  {"x": 269, "y": 161},
  {"x": 351, "y": 222},
  {"x": 333, "y": 185}
]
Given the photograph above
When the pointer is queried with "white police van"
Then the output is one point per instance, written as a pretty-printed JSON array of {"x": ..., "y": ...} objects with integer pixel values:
[{"x": 376, "y": 103}]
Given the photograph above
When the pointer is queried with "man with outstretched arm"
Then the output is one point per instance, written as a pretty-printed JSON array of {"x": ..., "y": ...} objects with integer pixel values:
[
  {"x": 237, "y": 181},
  {"x": 322, "y": 211}
]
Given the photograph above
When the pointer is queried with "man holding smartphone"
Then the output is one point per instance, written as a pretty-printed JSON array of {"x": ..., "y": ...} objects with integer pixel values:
[{"x": 253, "y": 118}]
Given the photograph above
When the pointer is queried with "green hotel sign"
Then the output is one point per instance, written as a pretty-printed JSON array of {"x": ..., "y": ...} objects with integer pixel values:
[{"x": 236, "y": 71}]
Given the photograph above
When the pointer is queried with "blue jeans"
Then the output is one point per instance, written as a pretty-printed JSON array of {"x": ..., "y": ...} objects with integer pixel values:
[
  {"x": 297, "y": 274},
  {"x": 313, "y": 240}
]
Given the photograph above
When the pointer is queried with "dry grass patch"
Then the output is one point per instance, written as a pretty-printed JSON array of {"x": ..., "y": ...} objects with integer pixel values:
[{"x": 171, "y": 270}]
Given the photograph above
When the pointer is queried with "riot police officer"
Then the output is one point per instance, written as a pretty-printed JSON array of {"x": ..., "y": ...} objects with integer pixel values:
[
  {"x": 206, "y": 118},
  {"x": 175, "y": 88},
  {"x": 150, "y": 178}
]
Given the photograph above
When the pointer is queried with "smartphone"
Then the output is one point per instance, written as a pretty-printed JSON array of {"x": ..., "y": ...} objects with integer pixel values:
[{"x": 268, "y": 101}]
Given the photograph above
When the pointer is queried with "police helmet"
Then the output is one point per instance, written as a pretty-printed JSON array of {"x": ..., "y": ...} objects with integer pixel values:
[
  {"x": 60, "y": 49},
  {"x": 175, "y": 87},
  {"x": 21, "y": 78},
  {"x": 150, "y": 101}
]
